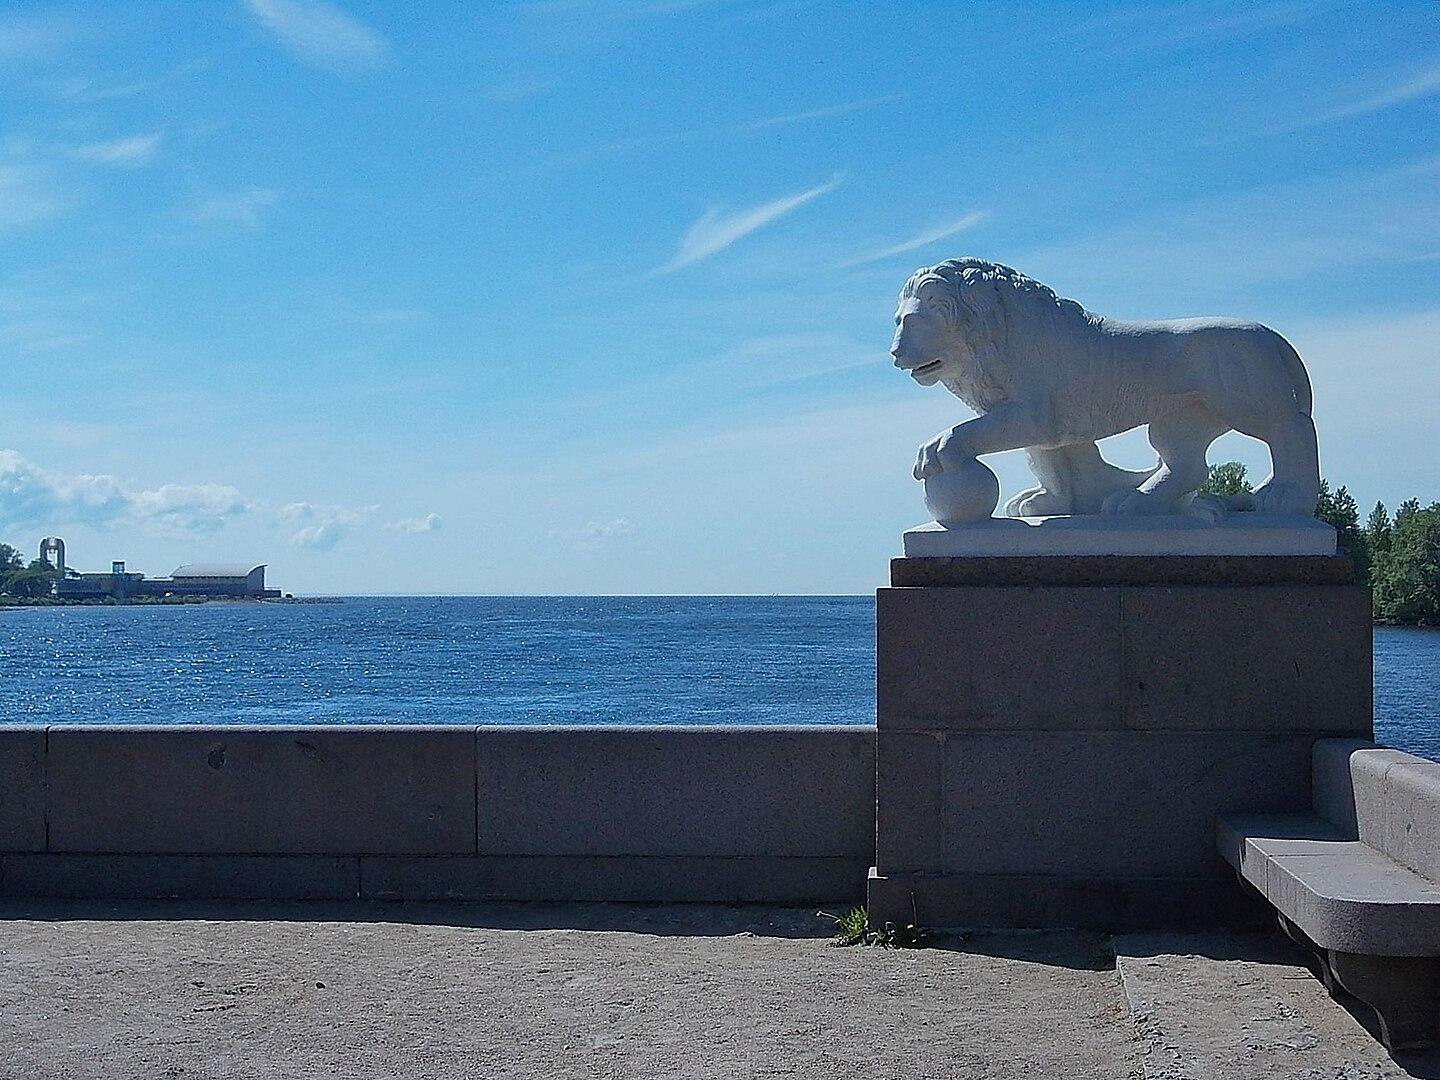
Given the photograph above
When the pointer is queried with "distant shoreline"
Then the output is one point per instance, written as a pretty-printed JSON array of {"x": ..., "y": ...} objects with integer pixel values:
[{"x": 7, "y": 602}]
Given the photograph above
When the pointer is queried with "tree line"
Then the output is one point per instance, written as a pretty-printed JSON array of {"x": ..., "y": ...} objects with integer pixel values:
[
  {"x": 24, "y": 581},
  {"x": 1398, "y": 557}
]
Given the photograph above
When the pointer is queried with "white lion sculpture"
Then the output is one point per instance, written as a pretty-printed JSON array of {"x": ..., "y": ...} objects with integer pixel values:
[{"x": 1051, "y": 378}]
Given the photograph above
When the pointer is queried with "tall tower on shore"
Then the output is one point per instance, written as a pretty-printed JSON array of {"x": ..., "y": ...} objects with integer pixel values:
[{"x": 52, "y": 550}]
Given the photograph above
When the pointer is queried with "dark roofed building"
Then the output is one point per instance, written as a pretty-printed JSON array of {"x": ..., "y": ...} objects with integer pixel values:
[{"x": 219, "y": 579}]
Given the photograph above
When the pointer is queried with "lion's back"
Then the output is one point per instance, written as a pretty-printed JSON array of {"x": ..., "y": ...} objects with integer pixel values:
[{"x": 1214, "y": 355}]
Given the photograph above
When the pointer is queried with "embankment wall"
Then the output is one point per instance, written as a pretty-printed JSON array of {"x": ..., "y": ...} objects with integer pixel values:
[{"x": 733, "y": 814}]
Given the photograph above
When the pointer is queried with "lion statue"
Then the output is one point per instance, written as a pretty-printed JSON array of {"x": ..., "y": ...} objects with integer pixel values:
[{"x": 1051, "y": 378}]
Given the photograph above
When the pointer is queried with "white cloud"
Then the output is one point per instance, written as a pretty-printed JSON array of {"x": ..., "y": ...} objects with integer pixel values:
[
  {"x": 324, "y": 525},
  {"x": 715, "y": 231},
  {"x": 924, "y": 239},
  {"x": 241, "y": 208},
  {"x": 30, "y": 494},
  {"x": 428, "y": 523},
  {"x": 189, "y": 507},
  {"x": 321, "y": 34},
  {"x": 127, "y": 153},
  {"x": 319, "y": 537}
]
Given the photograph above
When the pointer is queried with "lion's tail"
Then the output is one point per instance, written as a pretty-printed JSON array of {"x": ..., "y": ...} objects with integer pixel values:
[{"x": 1299, "y": 377}]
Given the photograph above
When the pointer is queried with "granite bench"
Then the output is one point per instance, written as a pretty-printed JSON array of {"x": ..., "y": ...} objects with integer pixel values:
[{"x": 1357, "y": 881}]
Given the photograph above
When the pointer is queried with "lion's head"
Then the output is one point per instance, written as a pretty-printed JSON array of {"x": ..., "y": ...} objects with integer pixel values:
[{"x": 953, "y": 319}]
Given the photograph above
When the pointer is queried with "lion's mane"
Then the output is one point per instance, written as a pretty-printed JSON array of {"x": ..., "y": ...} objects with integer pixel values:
[{"x": 1022, "y": 305}]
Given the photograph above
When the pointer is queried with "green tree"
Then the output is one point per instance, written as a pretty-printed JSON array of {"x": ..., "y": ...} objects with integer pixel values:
[
  {"x": 11, "y": 564},
  {"x": 1377, "y": 530},
  {"x": 1340, "y": 509},
  {"x": 29, "y": 583},
  {"x": 1227, "y": 478},
  {"x": 10, "y": 559},
  {"x": 1406, "y": 577}
]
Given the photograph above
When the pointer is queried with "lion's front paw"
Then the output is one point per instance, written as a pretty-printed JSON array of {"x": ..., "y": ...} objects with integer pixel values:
[
  {"x": 1136, "y": 504},
  {"x": 935, "y": 456},
  {"x": 1279, "y": 497}
]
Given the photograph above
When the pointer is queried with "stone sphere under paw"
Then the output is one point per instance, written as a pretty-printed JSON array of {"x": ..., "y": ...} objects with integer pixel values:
[{"x": 963, "y": 493}]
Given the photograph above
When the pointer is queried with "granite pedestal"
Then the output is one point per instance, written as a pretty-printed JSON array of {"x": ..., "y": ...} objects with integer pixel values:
[{"x": 1057, "y": 735}]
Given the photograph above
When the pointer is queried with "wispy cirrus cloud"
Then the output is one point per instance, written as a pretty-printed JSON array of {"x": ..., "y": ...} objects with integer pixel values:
[
  {"x": 127, "y": 153},
  {"x": 923, "y": 239},
  {"x": 321, "y": 34},
  {"x": 1166, "y": 27},
  {"x": 621, "y": 10},
  {"x": 1280, "y": 232},
  {"x": 1412, "y": 86},
  {"x": 715, "y": 231},
  {"x": 91, "y": 90},
  {"x": 630, "y": 144},
  {"x": 786, "y": 119},
  {"x": 428, "y": 523},
  {"x": 240, "y": 208}
]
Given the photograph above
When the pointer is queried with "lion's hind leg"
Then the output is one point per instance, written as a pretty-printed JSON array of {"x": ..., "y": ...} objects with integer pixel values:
[
  {"x": 1181, "y": 438},
  {"x": 1293, "y": 486}
]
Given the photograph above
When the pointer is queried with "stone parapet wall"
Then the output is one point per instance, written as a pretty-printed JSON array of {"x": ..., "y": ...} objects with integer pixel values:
[{"x": 763, "y": 814}]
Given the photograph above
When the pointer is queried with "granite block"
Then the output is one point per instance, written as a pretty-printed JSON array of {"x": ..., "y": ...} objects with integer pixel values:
[
  {"x": 677, "y": 792},
  {"x": 1246, "y": 841},
  {"x": 1092, "y": 804},
  {"x": 1411, "y": 816},
  {"x": 1357, "y": 900},
  {"x": 998, "y": 658},
  {"x": 291, "y": 790},
  {"x": 1371, "y": 792},
  {"x": 1279, "y": 657},
  {"x": 907, "y": 801},
  {"x": 1332, "y": 787},
  {"x": 22, "y": 788}
]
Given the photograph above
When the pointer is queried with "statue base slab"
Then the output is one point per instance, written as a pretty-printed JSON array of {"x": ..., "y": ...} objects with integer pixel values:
[{"x": 1234, "y": 534}]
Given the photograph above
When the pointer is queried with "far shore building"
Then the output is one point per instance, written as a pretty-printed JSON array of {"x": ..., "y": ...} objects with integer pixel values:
[
  {"x": 219, "y": 579},
  {"x": 239, "y": 581}
]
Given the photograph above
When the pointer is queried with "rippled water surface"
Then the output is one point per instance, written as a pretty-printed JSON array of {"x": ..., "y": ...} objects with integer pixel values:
[{"x": 506, "y": 660}]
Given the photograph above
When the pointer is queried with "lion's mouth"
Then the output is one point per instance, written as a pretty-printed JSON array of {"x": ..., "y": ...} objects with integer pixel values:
[{"x": 926, "y": 370}]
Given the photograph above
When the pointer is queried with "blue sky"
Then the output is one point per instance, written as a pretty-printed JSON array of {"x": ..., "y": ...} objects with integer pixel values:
[{"x": 569, "y": 296}]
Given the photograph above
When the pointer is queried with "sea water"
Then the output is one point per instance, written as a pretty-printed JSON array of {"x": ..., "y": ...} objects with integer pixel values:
[{"x": 510, "y": 660}]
